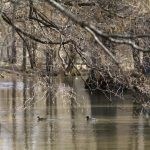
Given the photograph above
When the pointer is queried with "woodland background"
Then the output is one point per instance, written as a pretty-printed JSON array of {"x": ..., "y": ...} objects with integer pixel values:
[{"x": 108, "y": 40}]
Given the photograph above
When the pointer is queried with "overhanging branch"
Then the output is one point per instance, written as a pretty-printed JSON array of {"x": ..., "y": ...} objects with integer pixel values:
[
  {"x": 18, "y": 30},
  {"x": 97, "y": 32}
]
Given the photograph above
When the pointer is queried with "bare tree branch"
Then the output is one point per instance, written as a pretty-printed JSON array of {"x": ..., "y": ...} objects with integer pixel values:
[
  {"x": 48, "y": 41},
  {"x": 100, "y": 33},
  {"x": 95, "y": 32}
]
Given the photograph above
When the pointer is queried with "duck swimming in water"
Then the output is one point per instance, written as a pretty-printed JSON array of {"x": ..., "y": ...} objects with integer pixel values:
[
  {"x": 88, "y": 118},
  {"x": 41, "y": 119}
]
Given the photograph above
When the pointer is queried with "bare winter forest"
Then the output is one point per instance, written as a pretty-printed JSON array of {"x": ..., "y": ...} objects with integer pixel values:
[{"x": 108, "y": 40}]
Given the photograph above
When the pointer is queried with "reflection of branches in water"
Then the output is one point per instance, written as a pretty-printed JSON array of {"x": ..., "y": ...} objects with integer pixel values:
[
  {"x": 32, "y": 91},
  {"x": 71, "y": 98},
  {"x": 111, "y": 101},
  {"x": 53, "y": 92},
  {"x": 68, "y": 96}
]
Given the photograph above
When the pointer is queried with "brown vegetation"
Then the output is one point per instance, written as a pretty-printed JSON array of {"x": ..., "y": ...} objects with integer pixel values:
[{"x": 110, "y": 37}]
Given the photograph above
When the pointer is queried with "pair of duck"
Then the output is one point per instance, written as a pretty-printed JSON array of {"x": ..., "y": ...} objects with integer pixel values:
[{"x": 87, "y": 117}]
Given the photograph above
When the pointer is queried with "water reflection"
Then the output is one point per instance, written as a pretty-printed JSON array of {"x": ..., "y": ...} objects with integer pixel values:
[{"x": 68, "y": 105}]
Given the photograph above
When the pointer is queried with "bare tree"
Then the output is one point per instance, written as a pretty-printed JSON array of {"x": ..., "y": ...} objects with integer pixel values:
[{"x": 110, "y": 37}]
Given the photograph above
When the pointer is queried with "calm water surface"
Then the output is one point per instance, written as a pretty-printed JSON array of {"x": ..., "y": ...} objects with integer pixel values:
[{"x": 66, "y": 106}]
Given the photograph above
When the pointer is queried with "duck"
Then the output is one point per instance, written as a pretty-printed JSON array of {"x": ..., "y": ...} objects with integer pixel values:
[
  {"x": 41, "y": 119},
  {"x": 88, "y": 118}
]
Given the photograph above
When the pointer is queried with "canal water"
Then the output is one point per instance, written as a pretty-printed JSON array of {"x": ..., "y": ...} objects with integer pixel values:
[{"x": 65, "y": 103}]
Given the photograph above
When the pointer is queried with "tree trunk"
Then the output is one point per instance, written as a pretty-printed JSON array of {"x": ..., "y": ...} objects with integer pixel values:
[
  {"x": 72, "y": 59},
  {"x": 49, "y": 62},
  {"x": 136, "y": 58},
  {"x": 32, "y": 54},
  {"x": 13, "y": 59},
  {"x": 24, "y": 57}
]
